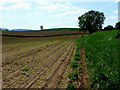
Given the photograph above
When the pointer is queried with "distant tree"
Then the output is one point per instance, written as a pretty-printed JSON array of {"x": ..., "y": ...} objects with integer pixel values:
[
  {"x": 117, "y": 26},
  {"x": 91, "y": 21},
  {"x": 109, "y": 27},
  {"x": 41, "y": 27},
  {"x": 0, "y": 29},
  {"x": 6, "y": 30}
]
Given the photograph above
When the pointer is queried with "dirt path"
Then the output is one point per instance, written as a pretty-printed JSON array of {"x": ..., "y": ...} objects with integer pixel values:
[{"x": 83, "y": 73}]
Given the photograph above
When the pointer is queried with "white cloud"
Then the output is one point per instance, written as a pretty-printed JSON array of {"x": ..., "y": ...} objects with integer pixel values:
[
  {"x": 38, "y": 13},
  {"x": 74, "y": 12},
  {"x": 55, "y": 7},
  {"x": 116, "y": 0},
  {"x": 116, "y": 11},
  {"x": 112, "y": 17},
  {"x": 43, "y": 1},
  {"x": 16, "y": 4}
]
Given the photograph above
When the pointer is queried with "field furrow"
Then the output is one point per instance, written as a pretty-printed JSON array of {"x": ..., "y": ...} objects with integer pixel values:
[
  {"x": 24, "y": 54},
  {"x": 29, "y": 61},
  {"x": 52, "y": 70},
  {"x": 36, "y": 62},
  {"x": 32, "y": 67}
]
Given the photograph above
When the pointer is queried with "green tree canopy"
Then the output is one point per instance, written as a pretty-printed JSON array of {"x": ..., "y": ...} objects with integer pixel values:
[
  {"x": 91, "y": 21},
  {"x": 117, "y": 26},
  {"x": 109, "y": 27}
]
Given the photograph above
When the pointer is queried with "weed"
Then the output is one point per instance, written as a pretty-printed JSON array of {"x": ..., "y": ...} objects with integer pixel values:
[
  {"x": 73, "y": 76},
  {"x": 23, "y": 73},
  {"x": 27, "y": 75},
  {"x": 75, "y": 64},
  {"x": 76, "y": 58},
  {"x": 77, "y": 54},
  {"x": 71, "y": 87},
  {"x": 26, "y": 69}
]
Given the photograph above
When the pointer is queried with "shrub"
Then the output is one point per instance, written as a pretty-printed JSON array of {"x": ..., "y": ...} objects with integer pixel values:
[
  {"x": 75, "y": 64},
  {"x": 73, "y": 76},
  {"x": 71, "y": 87}
]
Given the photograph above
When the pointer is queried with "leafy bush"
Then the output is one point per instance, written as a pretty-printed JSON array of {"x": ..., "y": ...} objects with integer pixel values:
[
  {"x": 73, "y": 76},
  {"x": 71, "y": 87},
  {"x": 75, "y": 64}
]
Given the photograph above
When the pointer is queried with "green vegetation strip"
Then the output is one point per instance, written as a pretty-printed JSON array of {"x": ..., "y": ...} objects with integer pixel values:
[
  {"x": 75, "y": 66},
  {"x": 42, "y": 35},
  {"x": 32, "y": 70},
  {"x": 59, "y": 29},
  {"x": 102, "y": 54}
]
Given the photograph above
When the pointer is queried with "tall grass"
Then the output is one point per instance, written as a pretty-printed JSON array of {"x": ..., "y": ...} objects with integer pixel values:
[{"x": 102, "y": 54}]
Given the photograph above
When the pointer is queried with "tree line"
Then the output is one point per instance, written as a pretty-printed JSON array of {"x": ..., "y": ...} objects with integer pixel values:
[{"x": 93, "y": 21}]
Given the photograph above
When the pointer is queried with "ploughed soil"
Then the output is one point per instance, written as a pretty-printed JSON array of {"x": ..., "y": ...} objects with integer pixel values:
[
  {"x": 47, "y": 60},
  {"x": 40, "y": 32}
]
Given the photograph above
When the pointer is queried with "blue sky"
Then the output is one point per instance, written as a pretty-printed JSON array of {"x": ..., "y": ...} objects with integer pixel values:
[{"x": 30, "y": 14}]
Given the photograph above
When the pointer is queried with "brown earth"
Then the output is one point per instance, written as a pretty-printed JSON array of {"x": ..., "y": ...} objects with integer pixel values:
[
  {"x": 48, "y": 60},
  {"x": 40, "y": 32}
]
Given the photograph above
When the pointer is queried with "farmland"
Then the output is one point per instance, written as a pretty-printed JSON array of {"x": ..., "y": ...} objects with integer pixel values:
[
  {"x": 37, "y": 62},
  {"x": 43, "y": 32},
  {"x": 61, "y": 61}
]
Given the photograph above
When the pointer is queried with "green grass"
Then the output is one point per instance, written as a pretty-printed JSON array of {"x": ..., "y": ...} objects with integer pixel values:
[
  {"x": 55, "y": 29},
  {"x": 102, "y": 54}
]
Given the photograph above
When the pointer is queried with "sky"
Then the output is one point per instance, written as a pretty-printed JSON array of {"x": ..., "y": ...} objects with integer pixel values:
[{"x": 31, "y": 14}]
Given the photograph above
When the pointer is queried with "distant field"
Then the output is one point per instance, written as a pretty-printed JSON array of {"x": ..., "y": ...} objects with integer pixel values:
[
  {"x": 61, "y": 29},
  {"x": 39, "y": 32}
]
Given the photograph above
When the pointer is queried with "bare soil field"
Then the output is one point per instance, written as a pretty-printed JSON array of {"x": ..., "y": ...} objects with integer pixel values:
[
  {"x": 40, "y": 32},
  {"x": 42, "y": 62}
]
